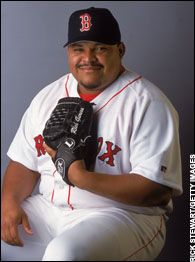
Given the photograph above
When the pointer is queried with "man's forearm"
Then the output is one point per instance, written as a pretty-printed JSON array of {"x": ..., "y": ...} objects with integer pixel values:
[
  {"x": 131, "y": 189},
  {"x": 19, "y": 182}
]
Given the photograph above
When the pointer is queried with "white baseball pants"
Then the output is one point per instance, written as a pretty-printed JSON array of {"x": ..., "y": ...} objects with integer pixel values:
[{"x": 96, "y": 234}]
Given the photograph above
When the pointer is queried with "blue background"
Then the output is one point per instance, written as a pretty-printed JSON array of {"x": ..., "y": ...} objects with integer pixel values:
[{"x": 159, "y": 39}]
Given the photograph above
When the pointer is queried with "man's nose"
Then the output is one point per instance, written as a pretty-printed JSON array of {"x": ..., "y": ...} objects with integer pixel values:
[{"x": 89, "y": 56}]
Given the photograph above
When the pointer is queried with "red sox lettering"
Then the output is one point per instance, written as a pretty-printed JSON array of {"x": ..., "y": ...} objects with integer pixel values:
[
  {"x": 110, "y": 151},
  {"x": 108, "y": 155},
  {"x": 86, "y": 22},
  {"x": 39, "y": 145}
]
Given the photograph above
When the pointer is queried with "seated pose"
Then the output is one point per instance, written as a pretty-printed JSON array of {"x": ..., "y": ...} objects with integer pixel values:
[{"x": 107, "y": 173}]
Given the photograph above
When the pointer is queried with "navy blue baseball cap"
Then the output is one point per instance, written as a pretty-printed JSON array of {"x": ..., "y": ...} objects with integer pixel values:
[{"x": 93, "y": 24}]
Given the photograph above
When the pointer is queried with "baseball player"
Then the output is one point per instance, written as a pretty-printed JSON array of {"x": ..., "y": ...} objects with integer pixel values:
[{"x": 115, "y": 208}]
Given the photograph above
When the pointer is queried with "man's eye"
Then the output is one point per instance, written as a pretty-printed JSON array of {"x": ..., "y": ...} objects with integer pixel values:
[
  {"x": 78, "y": 49},
  {"x": 101, "y": 48}
]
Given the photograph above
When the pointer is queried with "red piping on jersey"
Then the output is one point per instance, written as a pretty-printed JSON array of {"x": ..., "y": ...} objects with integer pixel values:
[
  {"x": 69, "y": 198},
  {"x": 67, "y": 93},
  {"x": 118, "y": 93},
  {"x": 53, "y": 189},
  {"x": 149, "y": 242},
  {"x": 66, "y": 86}
]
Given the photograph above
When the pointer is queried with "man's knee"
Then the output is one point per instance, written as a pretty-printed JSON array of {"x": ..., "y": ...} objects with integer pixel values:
[{"x": 64, "y": 251}]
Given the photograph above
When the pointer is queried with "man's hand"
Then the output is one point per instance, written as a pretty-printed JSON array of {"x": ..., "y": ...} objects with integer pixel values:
[
  {"x": 69, "y": 131},
  {"x": 49, "y": 150},
  {"x": 13, "y": 215},
  {"x": 77, "y": 170}
]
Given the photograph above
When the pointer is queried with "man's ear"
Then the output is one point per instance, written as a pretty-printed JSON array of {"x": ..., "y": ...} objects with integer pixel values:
[{"x": 121, "y": 48}]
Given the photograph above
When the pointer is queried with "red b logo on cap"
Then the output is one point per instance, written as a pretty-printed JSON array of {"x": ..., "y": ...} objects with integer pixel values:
[{"x": 86, "y": 22}]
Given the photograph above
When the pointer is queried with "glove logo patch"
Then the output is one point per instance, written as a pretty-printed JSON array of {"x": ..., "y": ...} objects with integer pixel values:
[
  {"x": 60, "y": 166},
  {"x": 69, "y": 142}
]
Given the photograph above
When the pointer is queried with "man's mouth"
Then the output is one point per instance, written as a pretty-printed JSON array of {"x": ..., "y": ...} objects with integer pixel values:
[{"x": 89, "y": 68}]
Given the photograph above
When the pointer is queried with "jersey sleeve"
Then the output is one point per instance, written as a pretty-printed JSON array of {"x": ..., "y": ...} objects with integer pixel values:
[
  {"x": 22, "y": 149},
  {"x": 155, "y": 145}
]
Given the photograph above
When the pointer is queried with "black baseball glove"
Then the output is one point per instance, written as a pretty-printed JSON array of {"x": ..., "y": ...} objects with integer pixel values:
[{"x": 69, "y": 132}]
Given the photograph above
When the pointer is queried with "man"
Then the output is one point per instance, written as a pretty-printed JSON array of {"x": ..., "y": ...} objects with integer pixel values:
[{"x": 118, "y": 210}]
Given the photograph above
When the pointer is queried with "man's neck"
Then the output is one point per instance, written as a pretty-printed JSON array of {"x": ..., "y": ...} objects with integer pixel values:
[{"x": 83, "y": 90}]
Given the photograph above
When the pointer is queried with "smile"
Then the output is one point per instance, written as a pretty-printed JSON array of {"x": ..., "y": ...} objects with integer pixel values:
[{"x": 90, "y": 68}]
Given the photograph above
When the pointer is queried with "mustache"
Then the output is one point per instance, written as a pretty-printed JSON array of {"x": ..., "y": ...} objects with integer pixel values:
[{"x": 91, "y": 64}]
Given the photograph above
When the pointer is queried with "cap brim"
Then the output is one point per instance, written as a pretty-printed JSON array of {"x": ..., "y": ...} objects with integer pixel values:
[{"x": 87, "y": 40}]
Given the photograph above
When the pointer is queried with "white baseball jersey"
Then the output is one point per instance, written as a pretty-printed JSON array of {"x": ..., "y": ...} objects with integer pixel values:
[{"x": 137, "y": 133}]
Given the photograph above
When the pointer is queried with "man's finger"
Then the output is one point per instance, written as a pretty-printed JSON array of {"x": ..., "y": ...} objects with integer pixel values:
[
  {"x": 26, "y": 225},
  {"x": 49, "y": 150},
  {"x": 14, "y": 238}
]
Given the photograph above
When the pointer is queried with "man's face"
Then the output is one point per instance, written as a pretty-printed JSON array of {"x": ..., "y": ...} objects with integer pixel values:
[{"x": 94, "y": 65}]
